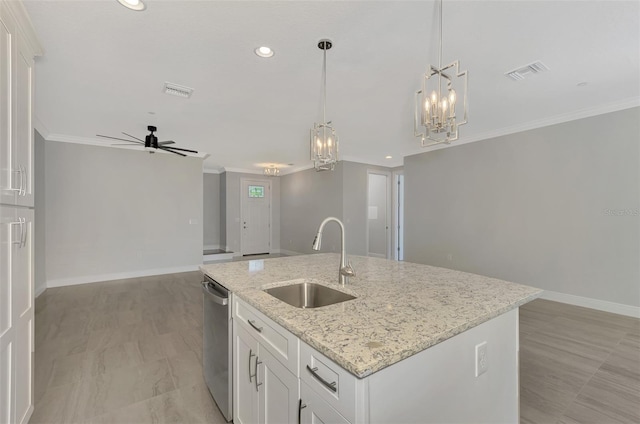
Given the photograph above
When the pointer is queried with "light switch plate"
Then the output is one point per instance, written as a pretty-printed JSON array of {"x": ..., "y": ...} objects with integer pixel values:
[{"x": 482, "y": 361}]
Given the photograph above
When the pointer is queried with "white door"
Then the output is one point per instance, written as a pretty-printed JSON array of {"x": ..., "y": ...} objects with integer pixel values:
[
  {"x": 378, "y": 203},
  {"x": 255, "y": 216}
]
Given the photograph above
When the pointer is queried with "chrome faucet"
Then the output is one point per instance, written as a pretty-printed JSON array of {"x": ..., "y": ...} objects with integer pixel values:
[{"x": 346, "y": 270}]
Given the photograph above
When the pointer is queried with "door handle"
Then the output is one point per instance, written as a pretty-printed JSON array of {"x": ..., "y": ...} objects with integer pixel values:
[
  {"x": 20, "y": 222},
  {"x": 251, "y": 323}
]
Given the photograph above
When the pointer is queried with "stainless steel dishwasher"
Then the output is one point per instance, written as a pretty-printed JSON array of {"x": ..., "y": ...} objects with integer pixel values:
[{"x": 217, "y": 345}]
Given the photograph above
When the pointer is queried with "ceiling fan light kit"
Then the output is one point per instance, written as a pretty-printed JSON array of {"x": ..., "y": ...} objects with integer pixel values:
[
  {"x": 324, "y": 140},
  {"x": 438, "y": 112},
  {"x": 151, "y": 143}
]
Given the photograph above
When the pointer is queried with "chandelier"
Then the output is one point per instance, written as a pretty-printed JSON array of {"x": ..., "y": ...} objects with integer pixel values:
[
  {"x": 323, "y": 140},
  {"x": 272, "y": 171},
  {"x": 438, "y": 113}
]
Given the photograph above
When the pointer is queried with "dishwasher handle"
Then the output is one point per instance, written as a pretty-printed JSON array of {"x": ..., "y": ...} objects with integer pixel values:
[{"x": 223, "y": 301}]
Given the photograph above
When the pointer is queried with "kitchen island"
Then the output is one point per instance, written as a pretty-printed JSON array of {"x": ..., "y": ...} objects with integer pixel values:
[{"x": 411, "y": 340}]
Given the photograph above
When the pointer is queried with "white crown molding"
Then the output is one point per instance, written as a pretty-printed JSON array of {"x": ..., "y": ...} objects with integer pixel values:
[
  {"x": 242, "y": 171},
  {"x": 587, "y": 302},
  {"x": 41, "y": 127},
  {"x": 64, "y": 138},
  {"x": 287, "y": 171},
  {"x": 16, "y": 8},
  {"x": 206, "y": 170},
  {"x": 616, "y": 106}
]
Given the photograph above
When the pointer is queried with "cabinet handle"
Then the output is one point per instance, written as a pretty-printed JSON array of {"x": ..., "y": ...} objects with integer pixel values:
[
  {"x": 301, "y": 406},
  {"x": 20, "y": 222},
  {"x": 23, "y": 232},
  {"x": 256, "y": 375},
  {"x": 331, "y": 386},
  {"x": 251, "y": 323},
  {"x": 251, "y": 355},
  {"x": 23, "y": 184},
  {"x": 19, "y": 190}
]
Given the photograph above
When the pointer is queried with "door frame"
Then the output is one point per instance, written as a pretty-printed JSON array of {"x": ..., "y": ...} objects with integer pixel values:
[
  {"x": 388, "y": 212},
  {"x": 267, "y": 183},
  {"x": 397, "y": 229}
]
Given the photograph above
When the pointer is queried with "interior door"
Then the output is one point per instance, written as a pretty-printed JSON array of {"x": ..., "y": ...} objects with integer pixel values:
[{"x": 256, "y": 216}]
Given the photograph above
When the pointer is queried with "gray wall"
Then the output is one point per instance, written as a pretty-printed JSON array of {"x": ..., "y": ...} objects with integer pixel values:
[
  {"x": 114, "y": 211},
  {"x": 309, "y": 196},
  {"x": 211, "y": 210},
  {"x": 232, "y": 209},
  {"x": 554, "y": 207},
  {"x": 40, "y": 264}
]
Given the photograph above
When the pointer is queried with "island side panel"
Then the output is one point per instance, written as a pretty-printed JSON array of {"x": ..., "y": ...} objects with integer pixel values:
[{"x": 439, "y": 384}]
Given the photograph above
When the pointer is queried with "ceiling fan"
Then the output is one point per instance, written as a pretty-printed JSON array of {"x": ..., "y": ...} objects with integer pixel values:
[{"x": 150, "y": 142}]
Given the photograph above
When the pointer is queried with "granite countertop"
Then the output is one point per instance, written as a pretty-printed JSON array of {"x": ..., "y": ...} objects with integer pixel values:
[{"x": 401, "y": 308}]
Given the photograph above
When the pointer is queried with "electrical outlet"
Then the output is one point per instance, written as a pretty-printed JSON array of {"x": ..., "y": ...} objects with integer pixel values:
[{"x": 482, "y": 361}]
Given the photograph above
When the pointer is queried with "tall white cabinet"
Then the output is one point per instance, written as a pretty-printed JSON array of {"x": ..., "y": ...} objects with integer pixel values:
[{"x": 18, "y": 47}]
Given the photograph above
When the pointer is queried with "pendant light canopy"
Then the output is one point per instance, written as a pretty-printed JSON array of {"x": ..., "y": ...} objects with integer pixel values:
[
  {"x": 438, "y": 109},
  {"x": 323, "y": 140}
]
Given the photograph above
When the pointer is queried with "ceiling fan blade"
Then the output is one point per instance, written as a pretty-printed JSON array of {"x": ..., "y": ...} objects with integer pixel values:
[
  {"x": 121, "y": 139},
  {"x": 169, "y": 149},
  {"x": 123, "y": 144},
  {"x": 166, "y": 142},
  {"x": 136, "y": 138},
  {"x": 182, "y": 150}
]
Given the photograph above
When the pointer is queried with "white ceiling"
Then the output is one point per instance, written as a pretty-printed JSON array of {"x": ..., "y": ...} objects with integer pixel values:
[{"x": 104, "y": 68}]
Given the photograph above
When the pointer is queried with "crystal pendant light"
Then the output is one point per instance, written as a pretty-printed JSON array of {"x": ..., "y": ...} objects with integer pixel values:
[
  {"x": 438, "y": 112},
  {"x": 272, "y": 171},
  {"x": 323, "y": 140}
]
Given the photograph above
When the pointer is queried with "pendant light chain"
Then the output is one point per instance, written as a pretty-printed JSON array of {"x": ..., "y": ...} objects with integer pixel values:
[{"x": 324, "y": 86}]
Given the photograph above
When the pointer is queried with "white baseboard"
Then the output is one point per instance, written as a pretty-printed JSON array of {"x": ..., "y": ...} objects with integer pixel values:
[
  {"x": 61, "y": 282},
  {"x": 587, "y": 302},
  {"x": 289, "y": 252},
  {"x": 212, "y": 247},
  {"x": 218, "y": 257}
]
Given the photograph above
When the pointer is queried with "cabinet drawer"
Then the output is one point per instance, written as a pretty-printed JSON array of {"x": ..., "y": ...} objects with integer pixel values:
[
  {"x": 331, "y": 382},
  {"x": 281, "y": 344},
  {"x": 314, "y": 409}
]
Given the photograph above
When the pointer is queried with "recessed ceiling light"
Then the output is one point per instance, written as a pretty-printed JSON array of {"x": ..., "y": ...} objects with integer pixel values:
[
  {"x": 137, "y": 5},
  {"x": 264, "y": 51},
  {"x": 388, "y": 157}
]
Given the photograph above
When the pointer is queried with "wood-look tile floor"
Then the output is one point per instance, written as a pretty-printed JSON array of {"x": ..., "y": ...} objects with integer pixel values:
[
  {"x": 130, "y": 351},
  {"x": 578, "y": 365},
  {"x": 127, "y": 351}
]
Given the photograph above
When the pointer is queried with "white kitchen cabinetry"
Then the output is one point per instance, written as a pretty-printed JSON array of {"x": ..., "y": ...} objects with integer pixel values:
[
  {"x": 266, "y": 391},
  {"x": 313, "y": 409},
  {"x": 16, "y": 314},
  {"x": 18, "y": 49},
  {"x": 436, "y": 385},
  {"x": 18, "y": 46}
]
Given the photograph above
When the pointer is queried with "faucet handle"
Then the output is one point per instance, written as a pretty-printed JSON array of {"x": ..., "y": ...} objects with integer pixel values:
[{"x": 348, "y": 270}]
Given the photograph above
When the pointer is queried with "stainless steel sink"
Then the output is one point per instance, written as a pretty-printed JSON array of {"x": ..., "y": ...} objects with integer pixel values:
[{"x": 308, "y": 295}]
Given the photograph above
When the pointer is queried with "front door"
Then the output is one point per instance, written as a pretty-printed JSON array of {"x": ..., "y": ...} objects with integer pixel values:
[{"x": 255, "y": 216}]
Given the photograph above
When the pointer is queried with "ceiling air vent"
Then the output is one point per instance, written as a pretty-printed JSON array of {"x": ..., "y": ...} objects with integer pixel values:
[
  {"x": 522, "y": 72},
  {"x": 177, "y": 90}
]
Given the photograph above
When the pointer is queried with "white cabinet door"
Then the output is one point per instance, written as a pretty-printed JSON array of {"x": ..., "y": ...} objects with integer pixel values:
[
  {"x": 314, "y": 410},
  {"x": 278, "y": 391},
  {"x": 245, "y": 388},
  {"x": 16, "y": 314},
  {"x": 8, "y": 179},
  {"x": 23, "y": 128}
]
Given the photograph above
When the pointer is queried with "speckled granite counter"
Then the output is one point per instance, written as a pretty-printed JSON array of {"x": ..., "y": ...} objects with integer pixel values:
[{"x": 401, "y": 308}]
